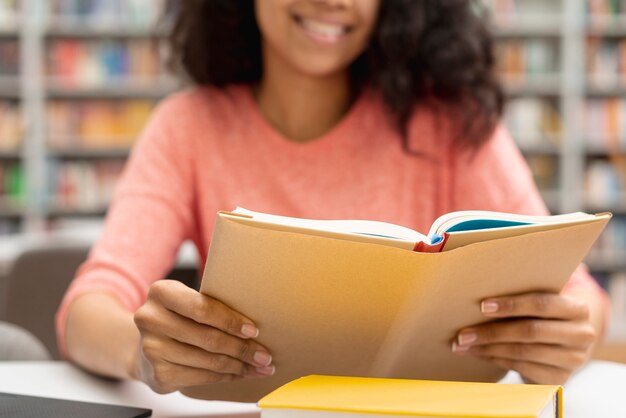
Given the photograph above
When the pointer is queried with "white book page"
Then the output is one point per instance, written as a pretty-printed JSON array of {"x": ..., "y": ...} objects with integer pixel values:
[
  {"x": 448, "y": 220},
  {"x": 359, "y": 227},
  {"x": 550, "y": 411}
]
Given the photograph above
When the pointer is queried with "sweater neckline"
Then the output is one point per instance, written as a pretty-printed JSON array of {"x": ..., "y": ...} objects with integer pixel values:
[{"x": 336, "y": 136}]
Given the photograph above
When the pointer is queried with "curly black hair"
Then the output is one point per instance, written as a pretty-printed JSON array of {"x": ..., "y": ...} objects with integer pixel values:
[{"x": 435, "y": 51}]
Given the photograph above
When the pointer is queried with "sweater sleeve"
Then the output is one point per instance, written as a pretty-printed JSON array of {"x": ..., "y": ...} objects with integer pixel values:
[
  {"x": 150, "y": 216},
  {"x": 497, "y": 178}
]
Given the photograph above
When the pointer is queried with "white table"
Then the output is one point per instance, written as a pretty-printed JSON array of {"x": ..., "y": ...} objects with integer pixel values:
[{"x": 597, "y": 391}]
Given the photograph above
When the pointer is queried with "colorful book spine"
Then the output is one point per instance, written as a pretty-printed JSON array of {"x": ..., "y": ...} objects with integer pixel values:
[
  {"x": 605, "y": 10},
  {"x": 605, "y": 123},
  {"x": 605, "y": 183},
  {"x": 524, "y": 60},
  {"x": 9, "y": 58},
  {"x": 79, "y": 63},
  {"x": 83, "y": 185},
  {"x": 606, "y": 62},
  {"x": 129, "y": 13},
  {"x": 10, "y": 126},
  {"x": 12, "y": 185},
  {"x": 533, "y": 121},
  {"x": 96, "y": 124}
]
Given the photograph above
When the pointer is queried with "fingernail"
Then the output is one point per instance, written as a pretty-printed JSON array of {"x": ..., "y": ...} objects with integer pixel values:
[
  {"x": 262, "y": 358},
  {"x": 467, "y": 337},
  {"x": 250, "y": 331},
  {"x": 266, "y": 371},
  {"x": 459, "y": 348},
  {"x": 489, "y": 306}
]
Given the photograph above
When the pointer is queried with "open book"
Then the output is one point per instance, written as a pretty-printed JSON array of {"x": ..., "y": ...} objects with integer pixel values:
[
  {"x": 449, "y": 231},
  {"x": 363, "y": 299}
]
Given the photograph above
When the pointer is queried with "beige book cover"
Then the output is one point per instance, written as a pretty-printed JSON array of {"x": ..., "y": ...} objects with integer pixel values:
[{"x": 332, "y": 306}]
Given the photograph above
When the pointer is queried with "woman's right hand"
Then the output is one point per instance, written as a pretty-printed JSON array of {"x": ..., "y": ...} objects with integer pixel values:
[{"x": 190, "y": 339}]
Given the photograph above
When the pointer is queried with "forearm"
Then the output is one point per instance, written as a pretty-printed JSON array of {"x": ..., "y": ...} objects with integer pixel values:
[{"x": 101, "y": 335}]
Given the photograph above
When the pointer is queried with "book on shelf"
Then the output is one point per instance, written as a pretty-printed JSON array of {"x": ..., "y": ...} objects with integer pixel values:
[
  {"x": 96, "y": 124},
  {"x": 606, "y": 62},
  {"x": 318, "y": 396},
  {"x": 600, "y": 11},
  {"x": 605, "y": 182},
  {"x": 88, "y": 63},
  {"x": 605, "y": 123},
  {"x": 9, "y": 57},
  {"x": 533, "y": 122},
  {"x": 515, "y": 12},
  {"x": 526, "y": 60},
  {"x": 104, "y": 13},
  {"x": 12, "y": 185},
  {"x": 545, "y": 170},
  {"x": 10, "y": 126},
  {"x": 83, "y": 185},
  {"x": 359, "y": 297},
  {"x": 609, "y": 251}
]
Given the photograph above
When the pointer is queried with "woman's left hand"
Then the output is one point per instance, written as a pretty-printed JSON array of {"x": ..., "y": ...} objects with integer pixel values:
[{"x": 544, "y": 337}]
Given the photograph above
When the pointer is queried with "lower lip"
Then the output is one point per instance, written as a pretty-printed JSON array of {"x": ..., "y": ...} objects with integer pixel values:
[{"x": 321, "y": 38}]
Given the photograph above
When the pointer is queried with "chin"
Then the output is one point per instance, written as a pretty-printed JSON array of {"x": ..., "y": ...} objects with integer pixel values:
[{"x": 321, "y": 67}]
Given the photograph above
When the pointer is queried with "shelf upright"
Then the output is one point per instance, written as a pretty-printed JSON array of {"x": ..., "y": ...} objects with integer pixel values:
[
  {"x": 32, "y": 92},
  {"x": 572, "y": 90}
]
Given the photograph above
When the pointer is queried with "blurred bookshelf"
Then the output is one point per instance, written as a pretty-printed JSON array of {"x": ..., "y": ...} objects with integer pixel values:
[
  {"x": 78, "y": 80},
  {"x": 563, "y": 67}
]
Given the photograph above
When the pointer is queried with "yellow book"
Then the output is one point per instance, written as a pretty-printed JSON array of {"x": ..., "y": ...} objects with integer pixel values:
[{"x": 351, "y": 397}]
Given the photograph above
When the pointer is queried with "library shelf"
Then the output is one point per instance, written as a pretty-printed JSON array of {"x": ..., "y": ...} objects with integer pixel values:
[
  {"x": 10, "y": 212},
  {"x": 8, "y": 32},
  {"x": 603, "y": 151},
  {"x": 606, "y": 264},
  {"x": 535, "y": 86},
  {"x": 89, "y": 153},
  {"x": 78, "y": 31},
  {"x": 542, "y": 147},
  {"x": 606, "y": 91},
  {"x": 10, "y": 155},
  {"x": 56, "y": 211},
  {"x": 610, "y": 26},
  {"x": 618, "y": 208},
  {"x": 527, "y": 30},
  {"x": 155, "y": 89}
]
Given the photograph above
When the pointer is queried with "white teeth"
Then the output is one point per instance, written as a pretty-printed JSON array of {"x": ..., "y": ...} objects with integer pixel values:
[{"x": 325, "y": 29}]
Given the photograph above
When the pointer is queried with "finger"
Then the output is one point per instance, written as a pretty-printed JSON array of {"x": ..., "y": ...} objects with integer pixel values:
[
  {"x": 175, "y": 352},
  {"x": 203, "y": 309},
  {"x": 545, "y": 331},
  {"x": 534, "y": 372},
  {"x": 546, "y": 354},
  {"x": 541, "y": 305},
  {"x": 168, "y": 377},
  {"x": 160, "y": 321}
]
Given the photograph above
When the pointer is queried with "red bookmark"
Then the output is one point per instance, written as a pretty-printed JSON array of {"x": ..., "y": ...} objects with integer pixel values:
[{"x": 422, "y": 247}]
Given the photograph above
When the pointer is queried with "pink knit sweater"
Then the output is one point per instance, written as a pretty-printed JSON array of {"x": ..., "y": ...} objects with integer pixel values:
[{"x": 206, "y": 150}]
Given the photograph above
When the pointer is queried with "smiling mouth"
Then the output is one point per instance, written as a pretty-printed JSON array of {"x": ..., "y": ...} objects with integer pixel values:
[{"x": 323, "y": 31}]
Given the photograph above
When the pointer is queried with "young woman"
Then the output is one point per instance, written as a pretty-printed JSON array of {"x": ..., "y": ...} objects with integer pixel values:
[{"x": 354, "y": 109}]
